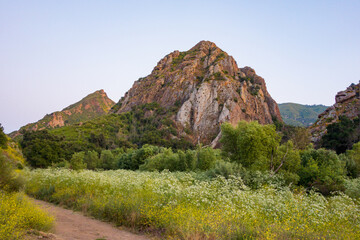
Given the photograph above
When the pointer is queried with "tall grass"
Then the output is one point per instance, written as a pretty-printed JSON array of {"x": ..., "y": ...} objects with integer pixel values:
[
  {"x": 18, "y": 214},
  {"x": 182, "y": 206}
]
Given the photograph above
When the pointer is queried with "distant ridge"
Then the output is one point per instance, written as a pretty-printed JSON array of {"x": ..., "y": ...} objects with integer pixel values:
[
  {"x": 93, "y": 105},
  {"x": 300, "y": 115}
]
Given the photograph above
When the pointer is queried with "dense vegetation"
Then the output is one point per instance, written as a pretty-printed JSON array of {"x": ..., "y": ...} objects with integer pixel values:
[
  {"x": 191, "y": 206},
  {"x": 212, "y": 193},
  {"x": 145, "y": 124},
  {"x": 340, "y": 136},
  {"x": 17, "y": 213},
  {"x": 300, "y": 115}
]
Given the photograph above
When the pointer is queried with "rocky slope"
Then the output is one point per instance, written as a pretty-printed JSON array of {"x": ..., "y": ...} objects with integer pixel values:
[
  {"x": 300, "y": 115},
  {"x": 94, "y": 105},
  {"x": 207, "y": 88},
  {"x": 347, "y": 103}
]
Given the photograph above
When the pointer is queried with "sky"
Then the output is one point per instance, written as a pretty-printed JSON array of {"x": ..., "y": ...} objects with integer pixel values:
[{"x": 54, "y": 53}]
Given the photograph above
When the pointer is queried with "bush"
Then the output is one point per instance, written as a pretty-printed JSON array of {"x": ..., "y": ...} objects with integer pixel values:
[
  {"x": 191, "y": 160},
  {"x": 322, "y": 169},
  {"x": 225, "y": 169},
  {"x": 352, "y": 187},
  {"x": 92, "y": 160},
  {"x": 77, "y": 161},
  {"x": 3, "y": 138},
  {"x": 10, "y": 180},
  {"x": 18, "y": 215},
  {"x": 352, "y": 158},
  {"x": 107, "y": 160}
]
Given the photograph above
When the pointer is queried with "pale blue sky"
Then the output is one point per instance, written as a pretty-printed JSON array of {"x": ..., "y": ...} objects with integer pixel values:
[{"x": 53, "y": 53}]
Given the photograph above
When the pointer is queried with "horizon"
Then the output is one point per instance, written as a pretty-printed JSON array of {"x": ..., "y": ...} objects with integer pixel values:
[{"x": 56, "y": 53}]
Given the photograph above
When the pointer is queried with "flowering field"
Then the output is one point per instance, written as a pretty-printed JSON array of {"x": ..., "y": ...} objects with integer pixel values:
[
  {"x": 18, "y": 214},
  {"x": 182, "y": 206}
]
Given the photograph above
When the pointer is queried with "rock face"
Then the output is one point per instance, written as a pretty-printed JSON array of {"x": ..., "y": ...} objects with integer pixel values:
[
  {"x": 346, "y": 103},
  {"x": 94, "y": 105},
  {"x": 207, "y": 88}
]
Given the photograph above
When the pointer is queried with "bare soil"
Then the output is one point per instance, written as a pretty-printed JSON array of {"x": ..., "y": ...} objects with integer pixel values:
[{"x": 70, "y": 225}]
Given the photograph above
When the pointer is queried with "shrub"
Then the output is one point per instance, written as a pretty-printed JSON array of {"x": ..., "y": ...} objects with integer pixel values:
[
  {"x": 321, "y": 169},
  {"x": 352, "y": 187},
  {"x": 10, "y": 180},
  {"x": 18, "y": 215},
  {"x": 77, "y": 161}
]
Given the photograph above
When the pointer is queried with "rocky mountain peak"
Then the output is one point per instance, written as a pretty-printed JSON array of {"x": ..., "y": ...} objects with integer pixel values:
[
  {"x": 207, "y": 88},
  {"x": 93, "y": 105}
]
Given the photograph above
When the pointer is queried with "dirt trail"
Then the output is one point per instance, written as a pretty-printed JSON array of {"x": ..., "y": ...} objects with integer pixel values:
[{"x": 71, "y": 225}]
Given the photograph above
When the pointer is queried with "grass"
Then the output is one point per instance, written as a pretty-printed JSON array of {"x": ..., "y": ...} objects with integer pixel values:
[
  {"x": 182, "y": 206},
  {"x": 18, "y": 215}
]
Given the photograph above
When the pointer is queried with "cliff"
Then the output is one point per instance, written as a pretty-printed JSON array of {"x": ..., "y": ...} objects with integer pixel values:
[
  {"x": 347, "y": 103},
  {"x": 206, "y": 88}
]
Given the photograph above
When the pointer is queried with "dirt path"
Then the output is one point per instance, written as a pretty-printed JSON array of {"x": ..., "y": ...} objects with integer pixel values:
[{"x": 71, "y": 225}]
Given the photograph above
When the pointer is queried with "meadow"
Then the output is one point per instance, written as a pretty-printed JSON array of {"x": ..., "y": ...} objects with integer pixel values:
[{"x": 191, "y": 206}]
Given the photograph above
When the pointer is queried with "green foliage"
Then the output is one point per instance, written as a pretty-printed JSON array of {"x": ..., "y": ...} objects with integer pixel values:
[
  {"x": 18, "y": 215},
  {"x": 200, "y": 159},
  {"x": 42, "y": 149},
  {"x": 249, "y": 143},
  {"x": 257, "y": 147},
  {"x": 107, "y": 160},
  {"x": 132, "y": 159},
  {"x": 352, "y": 187},
  {"x": 179, "y": 58},
  {"x": 3, "y": 138},
  {"x": 300, "y": 115},
  {"x": 218, "y": 76},
  {"x": 225, "y": 169},
  {"x": 341, "y": 135},
  {"x": 300, "y": 136},
  {"x": 352, "y": 159},
  {"x": 77, "y": 161},
  {"x": 92, "y": 160},
  {"x": 10, "y": 179},
  {"x": 321, "y": 169},
  {"x": 254, "y": 90}
]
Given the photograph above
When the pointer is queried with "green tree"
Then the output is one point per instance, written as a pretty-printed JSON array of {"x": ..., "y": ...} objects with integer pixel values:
[
  {"x": 42, "y": 149},
  {"x": 353, "y": 161},
  {"x": 206, "y": 158},
  {"x": 92, "y": 160},
  {"x": 77, "y": 161},
  {"x": 321, "y": 169},
  {"x": 3, "y": 138},
  {"x": 249, "y": 144},
  {"x": 108, "y": 160},
  {"x": 341, "y": 135}
]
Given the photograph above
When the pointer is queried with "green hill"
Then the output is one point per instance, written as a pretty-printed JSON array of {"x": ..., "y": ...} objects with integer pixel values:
[{"x": 300, "y": 115}]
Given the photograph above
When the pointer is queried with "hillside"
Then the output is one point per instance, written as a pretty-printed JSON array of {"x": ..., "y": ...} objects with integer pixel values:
[
  {"x": 300, "y": 115},
  {"x": 347, "y": 104},
  {"x": 202, "y": 88},
  {"x": 93, "y": 105}
]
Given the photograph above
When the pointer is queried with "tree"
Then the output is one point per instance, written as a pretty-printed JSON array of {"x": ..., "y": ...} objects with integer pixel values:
[
  {"x": 249, "y": 144},
  {"x": 77, "y": 161},
  {"x": 108, "y": 160},
  {"x": 92, "y": 160},
  {"x": 3, "y": 138},
  {"x": 42, "y": 149},
  {"x": 341, "y": 135},
  {"x": 353, "y": 161},
  {"x": 322, "y": 169}
]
